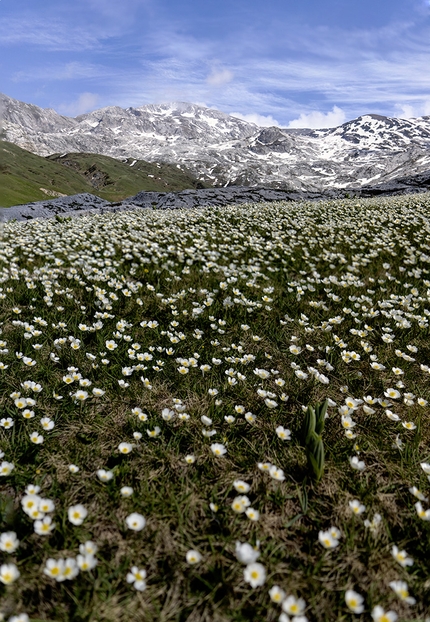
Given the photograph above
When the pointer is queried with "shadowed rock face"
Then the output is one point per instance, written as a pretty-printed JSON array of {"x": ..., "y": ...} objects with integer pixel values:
[{"x": 81, "y": 204}]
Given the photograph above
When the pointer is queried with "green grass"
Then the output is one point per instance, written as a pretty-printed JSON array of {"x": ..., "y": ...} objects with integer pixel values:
[
  {"x": 26, "y": 177},
  {"x": 234, "y": 288}
]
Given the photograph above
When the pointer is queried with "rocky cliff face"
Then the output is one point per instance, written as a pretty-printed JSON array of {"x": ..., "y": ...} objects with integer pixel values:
[{"x": 223, "y": 150}]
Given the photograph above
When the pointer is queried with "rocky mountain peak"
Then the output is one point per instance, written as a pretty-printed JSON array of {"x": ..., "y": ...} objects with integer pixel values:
[{"x": 221, "y": 149}]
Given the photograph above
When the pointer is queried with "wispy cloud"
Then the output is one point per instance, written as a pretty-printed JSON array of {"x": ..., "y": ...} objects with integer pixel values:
[
  {"x": 219, "y": 77},
  {"x": 74, "y": 70},
  {"x": 316, "y": 76},
  {"x": 84, "y": 103},
  {"x": 50, "y": 34}
]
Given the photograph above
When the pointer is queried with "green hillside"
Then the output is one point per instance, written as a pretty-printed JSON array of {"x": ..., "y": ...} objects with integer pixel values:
[
  {"x": 115, "y": 180},
  {"x": 26, "y": 177},
  {"x": 24, "y": 174}
]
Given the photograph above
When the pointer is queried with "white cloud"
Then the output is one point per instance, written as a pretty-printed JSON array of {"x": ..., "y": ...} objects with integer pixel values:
[
  {"x": 86, "y": 102},
  {"x": 218, "y": 77},
  {"x": 318, "y": 120},
  {"x": 258, "y": 119},
  {"x": 417, "y": 109}
]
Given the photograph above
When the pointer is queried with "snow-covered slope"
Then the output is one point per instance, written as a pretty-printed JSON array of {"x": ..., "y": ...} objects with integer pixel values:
[{"x": 224, "y": 150}]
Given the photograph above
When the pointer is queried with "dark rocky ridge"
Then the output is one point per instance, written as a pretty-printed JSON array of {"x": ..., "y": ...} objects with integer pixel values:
[{"x": 81, "y": 204}]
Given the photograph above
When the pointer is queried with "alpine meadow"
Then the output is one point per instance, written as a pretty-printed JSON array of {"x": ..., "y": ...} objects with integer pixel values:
[{"x": 217, "y": 414}]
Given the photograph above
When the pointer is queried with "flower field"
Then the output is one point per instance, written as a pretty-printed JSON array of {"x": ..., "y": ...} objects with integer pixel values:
[{"x": 217, "y": 415}]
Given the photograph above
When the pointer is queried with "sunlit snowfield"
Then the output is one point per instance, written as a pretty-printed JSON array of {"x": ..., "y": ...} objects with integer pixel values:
[{"x": 155, "y": 369}]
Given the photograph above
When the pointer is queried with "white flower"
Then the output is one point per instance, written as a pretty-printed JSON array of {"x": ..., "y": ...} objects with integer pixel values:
[
  {"x": 8, "y": 573},
  {"x": 252, "y": 514},
  {"x": 70, "y": 569},
  {"x": 104, "y": 476},
  {"x": 240, "y": 504},
  {"x": 418, "y": 494},
  {"x": 137, "y": 576},
  {"x": 422, "y": 513},
  {"x": 347, "y": 422},
  {"x": 357, "y": 507},
  {"x": 255, "y": 574},
  {"x": 125, "y": 448},
  {"x": 86, "y": 561},
  {"x": 276, "y": 594},
  {"x": 295, "y": 349},
  {"x": 126, "y": 491},
  {"x": 357, "y": 464},
  {"x": 88, "y": 547},
  {"x": 98, "y": 392},
  {"x": 241, "y": 486},
  {"x": 394, "y": 394},
  {"x": 47, "y": 423},
  {"x": 425, "y": 467},
  {"x": 54, "y": 568},
  {"x": 354, "y": 601},
  {"x": 36, "y": 438},
  {"x": 29, "y": 503},
  {"x": 73, "y": 468},
  {"x": 327, "y": 540},
  {"x": 245, "y": 553},
  {"x": 193, "y": 557},
  {"x": 402, "y": 591},
  {"x": 374, "y": 523},
  {"x": 401, "y": 557},
  {"x": 46, "y": 505},
  {"x": 270, "y": 403},
  {"x": 276, "y": 473},
  {"x": 264, "y": 466},
  {"x": 8, "y": 542},
  {"x": 44, "y": 527},
  {"x": 167, "y": 414},
  {"x": 294, "y": 606},
  {"x": 392, "y": 415},
  {"x": 135, "y": 521},
  {"x": 77, "y": 514},
  {"x": 379, "y": 615},
  {"x": 218, "y": 449},
  {"x": 81, "y": 396},
  {"x": 6, "y": 468},
  {"x": 283, "y": 433}
]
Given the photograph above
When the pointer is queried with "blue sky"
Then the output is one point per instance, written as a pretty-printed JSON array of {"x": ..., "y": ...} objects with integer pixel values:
[{"x": 293, "y": 63}]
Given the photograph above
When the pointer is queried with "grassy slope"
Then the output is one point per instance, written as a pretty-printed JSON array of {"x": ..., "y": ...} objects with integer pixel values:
[
  {"x": 115, "y": 180},
  {"x": 23, "y": 174}
]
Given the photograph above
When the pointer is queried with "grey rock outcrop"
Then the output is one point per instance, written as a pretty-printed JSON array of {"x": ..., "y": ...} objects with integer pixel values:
[{"x": 81, "y": 204}]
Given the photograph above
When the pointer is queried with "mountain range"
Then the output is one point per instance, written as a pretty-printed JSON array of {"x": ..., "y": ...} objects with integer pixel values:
[{"x": 216, "y": 149}]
